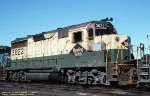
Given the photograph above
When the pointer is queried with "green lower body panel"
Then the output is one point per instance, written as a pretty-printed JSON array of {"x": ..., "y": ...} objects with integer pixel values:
[{"x": 88, "y": 59}]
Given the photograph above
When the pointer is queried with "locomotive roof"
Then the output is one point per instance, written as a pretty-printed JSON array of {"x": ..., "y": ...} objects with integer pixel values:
[{"x": 66, "y": 28}]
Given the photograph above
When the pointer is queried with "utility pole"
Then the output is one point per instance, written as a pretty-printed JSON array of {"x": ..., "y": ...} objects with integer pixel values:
[
  {"x": 148, "y": 43},
  {"x": 137, "y": 59}
]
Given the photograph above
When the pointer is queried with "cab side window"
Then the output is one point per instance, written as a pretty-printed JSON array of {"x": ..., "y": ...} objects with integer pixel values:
[
  {"x": 98, "y": 32},
  {"x": 90, "y": 32},
  {"x": 77, "y": 37}
]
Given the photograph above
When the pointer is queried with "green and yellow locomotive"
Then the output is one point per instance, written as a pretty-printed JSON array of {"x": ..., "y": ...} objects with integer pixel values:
[{"x": 87, "y": 53}]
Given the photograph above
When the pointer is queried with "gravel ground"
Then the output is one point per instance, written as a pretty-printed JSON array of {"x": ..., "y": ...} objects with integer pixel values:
[{"x": 42, "y": 89}]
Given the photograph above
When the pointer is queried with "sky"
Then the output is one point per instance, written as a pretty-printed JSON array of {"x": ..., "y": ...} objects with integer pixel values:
[{"x": 19, "y": 18}]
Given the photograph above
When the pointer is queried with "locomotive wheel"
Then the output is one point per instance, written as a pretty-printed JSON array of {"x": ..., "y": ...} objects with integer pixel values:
[
  {"x": 65, "y": 79},
  {"x": 23, "y": 77},
  {"x": 15, "y": 77},
  {"x": 90, "y": 81}
]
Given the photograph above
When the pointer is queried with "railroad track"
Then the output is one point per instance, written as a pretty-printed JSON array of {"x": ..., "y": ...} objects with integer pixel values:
[{"x": 43, "y": 89}]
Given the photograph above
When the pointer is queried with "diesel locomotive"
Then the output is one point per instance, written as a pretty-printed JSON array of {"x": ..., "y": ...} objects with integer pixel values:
[
  {"x": 5, "y": 61},
  {"x": 87, "y": 53}
]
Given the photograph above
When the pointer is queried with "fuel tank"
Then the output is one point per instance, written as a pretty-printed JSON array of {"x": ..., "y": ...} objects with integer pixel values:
[{"x": 55, "y": 77}]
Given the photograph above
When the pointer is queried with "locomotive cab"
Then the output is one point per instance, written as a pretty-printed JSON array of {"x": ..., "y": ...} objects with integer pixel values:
[{"x": 102, "y": 36}]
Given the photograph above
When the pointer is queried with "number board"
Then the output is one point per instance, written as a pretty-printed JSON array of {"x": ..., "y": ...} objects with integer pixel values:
[
  {"x": 101, "y": 25},
  {"x": 17, "y": 51}
]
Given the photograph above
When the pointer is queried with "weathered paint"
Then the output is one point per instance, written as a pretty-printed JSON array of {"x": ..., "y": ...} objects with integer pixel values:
[{"x": 88, "y": 59}]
